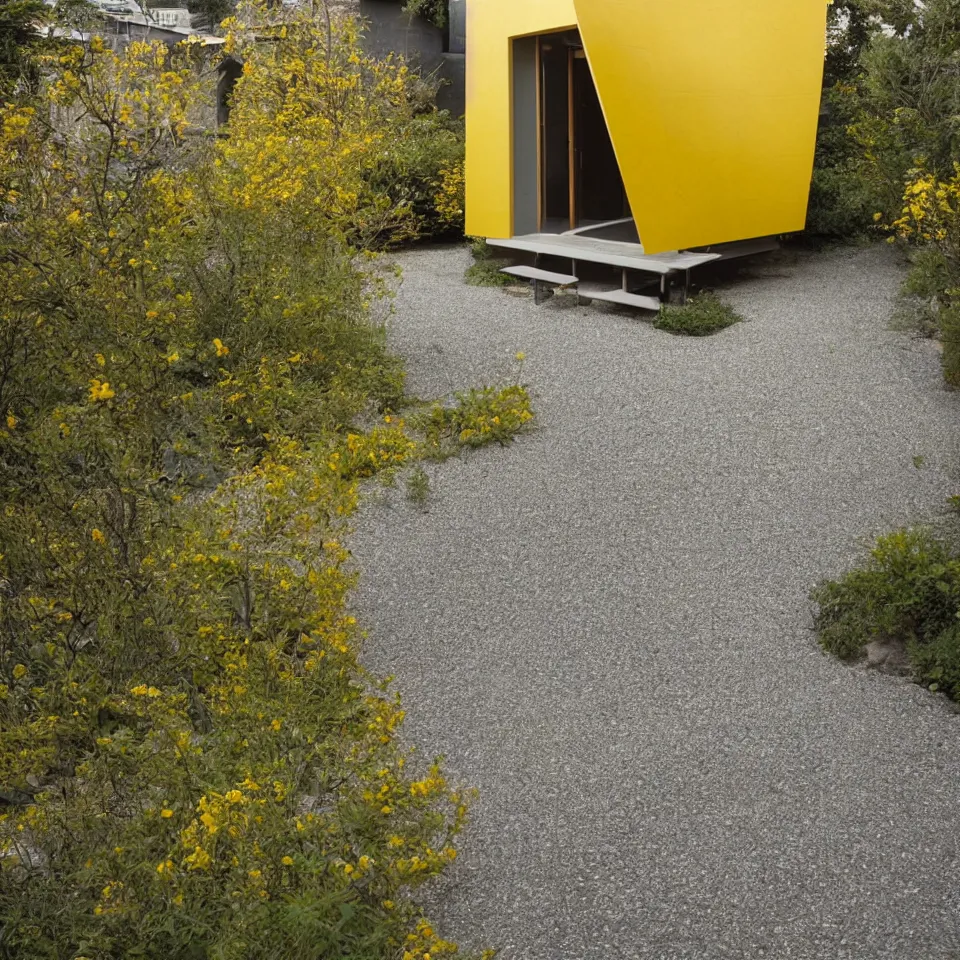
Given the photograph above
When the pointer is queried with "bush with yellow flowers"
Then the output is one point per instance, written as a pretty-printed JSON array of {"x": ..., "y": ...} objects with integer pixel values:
[
  {"x": 930, "y": 222},
  {"x": 193, "y": 762}
]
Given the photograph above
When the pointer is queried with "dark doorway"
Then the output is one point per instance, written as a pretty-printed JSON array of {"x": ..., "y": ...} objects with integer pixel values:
[
  {"x": 598, "y": 188},
  {"x": 555, "y": 191},
  {"x": 580, "y": 179}
]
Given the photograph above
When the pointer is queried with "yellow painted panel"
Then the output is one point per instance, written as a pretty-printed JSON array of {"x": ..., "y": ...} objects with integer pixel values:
[
  {"x": 491, "y": 25},
  {"x": 712, "y": 107}
]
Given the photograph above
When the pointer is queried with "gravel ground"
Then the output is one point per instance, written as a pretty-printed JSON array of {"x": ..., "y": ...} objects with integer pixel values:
[{"x": 605, "y": 627}]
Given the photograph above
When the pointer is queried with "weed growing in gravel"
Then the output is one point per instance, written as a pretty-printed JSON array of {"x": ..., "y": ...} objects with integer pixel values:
[
  {"x": 418, "y": 487},
  {"x": 485, "y": 270},
  {"x": 907, "y": 591},
  {"x": 702, "y": 315},
  {"x": 486, "y": 273},
  {"x": 478, "y": 417}
]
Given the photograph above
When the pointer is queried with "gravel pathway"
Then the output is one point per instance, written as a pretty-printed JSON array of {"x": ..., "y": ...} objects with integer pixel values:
[{"x": 605, "y": 627}]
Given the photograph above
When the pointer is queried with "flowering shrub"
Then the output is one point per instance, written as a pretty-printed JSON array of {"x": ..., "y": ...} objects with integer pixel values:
[
  {"x": 451, "y": 199},
  {"x": 346, "y": 138},
  {"x": 931, "y": 213},
  {"x": 192, "y": 760},
  {"x": 930, "y": 222}
]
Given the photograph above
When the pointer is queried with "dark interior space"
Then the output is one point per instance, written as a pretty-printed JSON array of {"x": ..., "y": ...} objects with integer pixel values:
[
  {"x": 580, "y": 177},
  {"x": 599, "y": 189},
  {"x": 555, "y": 131}
]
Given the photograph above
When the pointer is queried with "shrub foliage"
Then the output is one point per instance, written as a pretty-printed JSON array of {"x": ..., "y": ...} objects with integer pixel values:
[
  {"x": 193, "y": 763},
  {"x": 908, "y": 590},
  {"x": 889, "y": 145}
]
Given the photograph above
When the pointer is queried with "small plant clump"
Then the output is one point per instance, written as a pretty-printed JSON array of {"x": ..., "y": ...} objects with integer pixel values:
[
  {"x": 476, "y": 418},
  {"x": 907, "y": 592},
  {"x": 485, "y": 270},
  {"x": 418, "y": 486},
  {"x": 486, "y": 273},
  {"x": 700, "y": 316}
]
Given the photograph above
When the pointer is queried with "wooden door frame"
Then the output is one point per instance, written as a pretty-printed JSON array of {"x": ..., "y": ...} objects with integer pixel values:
[{"x": 572, "y": 212}]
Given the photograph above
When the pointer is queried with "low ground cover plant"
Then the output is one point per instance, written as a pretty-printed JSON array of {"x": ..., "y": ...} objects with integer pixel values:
[
  {"x": 700, "y": 316},
  {"x": 475, "y": 418},
  {"x": 907, "y": 591},
  {"x": 486, "y": 267},
  {"x": 194, "y": 385}
]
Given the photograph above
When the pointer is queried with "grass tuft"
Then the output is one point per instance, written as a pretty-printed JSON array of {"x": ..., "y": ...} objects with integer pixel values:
[{"x": 700, "y": 316}]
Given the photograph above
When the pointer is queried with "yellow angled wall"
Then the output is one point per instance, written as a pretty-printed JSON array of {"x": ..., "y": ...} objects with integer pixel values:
[
  {"x": 712, "y": 107},
  {"x": 491, "y": 24}
]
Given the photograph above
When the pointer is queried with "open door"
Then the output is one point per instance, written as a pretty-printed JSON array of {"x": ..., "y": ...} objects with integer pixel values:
[
  {"x": 580, "y": 179},
  {"x": 598, "y": 191}
]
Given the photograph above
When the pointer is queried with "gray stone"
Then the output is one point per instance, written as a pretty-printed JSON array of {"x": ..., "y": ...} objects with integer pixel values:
[{"x": 889, "y": 655}]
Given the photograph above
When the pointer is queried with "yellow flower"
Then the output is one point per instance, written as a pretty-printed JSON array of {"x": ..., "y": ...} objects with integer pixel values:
[
  {"x": 198, "y": 860},
  {"x": 140, "y": 691},
  {"x": 287, "y": 861},
  {"x": 222, "y": 349},
  {"x": 19, "y": 671},
  {"x": 101, "y": 359},
  {"x": 97, "y": 536},
  {"x": 254, "y": 874},
  {"x": 174, "y": 357},
  {"x": 233, "y": 796},
  {"x": 11, "y": 422},
  {"x": 166, "y": 814},
  {"x": 276, "y": 724},
  {"x": 100, "y": 391},
  {"x": 521, "y": 356}
]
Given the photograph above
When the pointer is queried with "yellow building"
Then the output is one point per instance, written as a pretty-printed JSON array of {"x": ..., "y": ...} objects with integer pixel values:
[{"x": 649, "y": 127}]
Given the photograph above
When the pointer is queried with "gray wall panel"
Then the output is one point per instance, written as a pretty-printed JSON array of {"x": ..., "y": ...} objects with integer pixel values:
[{"x": 525, "y": 172}]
